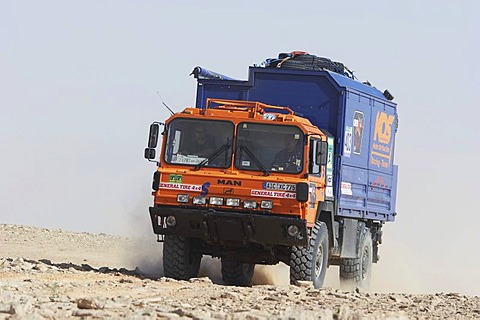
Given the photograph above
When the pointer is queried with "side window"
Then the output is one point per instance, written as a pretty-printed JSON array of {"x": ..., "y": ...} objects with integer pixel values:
[
  {"x": 313, "y": 168},
  {"x": 174, "y": 139}
]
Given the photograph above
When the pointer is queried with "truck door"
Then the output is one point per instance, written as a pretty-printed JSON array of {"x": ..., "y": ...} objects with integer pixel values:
[{"x": 316, "y": 178}]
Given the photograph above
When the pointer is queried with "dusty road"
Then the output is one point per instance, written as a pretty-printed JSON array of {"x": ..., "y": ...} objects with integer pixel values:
[{"x": 55, "y": 274}]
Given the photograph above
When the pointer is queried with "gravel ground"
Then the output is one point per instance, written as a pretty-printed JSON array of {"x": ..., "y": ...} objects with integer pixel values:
[{"x": 55, "y": 274}]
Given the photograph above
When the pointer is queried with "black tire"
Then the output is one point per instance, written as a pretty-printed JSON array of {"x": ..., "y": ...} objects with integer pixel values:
[
  {"x": 311, "y": 263},
  {"x": 357, "y": 272},
  {"x": 179, "y": 262},
  {"x": 237, "y": 274}
]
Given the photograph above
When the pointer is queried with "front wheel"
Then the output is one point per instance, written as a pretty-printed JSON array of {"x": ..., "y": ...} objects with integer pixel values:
[
  {"x": 179, "y": 261},
  {"x": 236, "y": 273},
  {"x": 357, "y": 272},
  {"x": 311, "y": 263}
]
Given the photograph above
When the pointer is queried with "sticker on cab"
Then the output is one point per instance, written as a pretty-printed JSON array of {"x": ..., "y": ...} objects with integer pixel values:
[
  {"x": 175, "y": 178},
  {"x": 273, "y": 194},
  {"x": 179, "y": 186},
  {"x": 329, "y": 192}
]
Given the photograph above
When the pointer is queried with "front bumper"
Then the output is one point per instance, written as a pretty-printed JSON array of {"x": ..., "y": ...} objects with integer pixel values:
[{"x": 225, "y": 227}]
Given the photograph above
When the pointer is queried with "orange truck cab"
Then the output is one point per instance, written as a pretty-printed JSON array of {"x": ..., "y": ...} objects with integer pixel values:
[{"x": 253, "y": 183}]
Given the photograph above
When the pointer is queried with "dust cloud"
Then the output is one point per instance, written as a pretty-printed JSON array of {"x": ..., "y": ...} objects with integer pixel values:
[
  {"x": 275, "y": 275},
  {"x": 147, "y": 256},
  {"x": 392, "y": 274},
  {"x": 400, "y": 268},
  {"x": 211, "y": 268},
  {"x": 147, "y": 253}
]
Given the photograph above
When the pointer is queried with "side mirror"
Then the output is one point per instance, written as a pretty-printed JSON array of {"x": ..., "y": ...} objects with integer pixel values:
[
  {"x": 149, "y": 153},
  {"x": 322, "y": 152},
  {"x": 153, "y": 136}
]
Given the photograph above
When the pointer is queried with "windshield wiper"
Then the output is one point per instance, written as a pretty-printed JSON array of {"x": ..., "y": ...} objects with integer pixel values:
[
  {"x": 212, "y": 156},
  {"x": 255, "y": 159}
]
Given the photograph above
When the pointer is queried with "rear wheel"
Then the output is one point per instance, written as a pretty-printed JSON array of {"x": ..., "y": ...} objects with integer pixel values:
[
  {"x": 179, "y": 262},
  {"x": 237, "y": 274},
  {"x": 310, "y": 263},
  {"x": 357, "y": 272}
]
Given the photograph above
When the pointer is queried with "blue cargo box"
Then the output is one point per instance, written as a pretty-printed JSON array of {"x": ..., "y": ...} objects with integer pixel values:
[{"x": 360, "y": 118}]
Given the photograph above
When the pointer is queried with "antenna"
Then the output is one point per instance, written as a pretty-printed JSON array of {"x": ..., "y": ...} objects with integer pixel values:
[{"x": 165, "y": 103}]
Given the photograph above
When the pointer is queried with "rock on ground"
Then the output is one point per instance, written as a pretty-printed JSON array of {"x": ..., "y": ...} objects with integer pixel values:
[{"x": 54, "y": 274}]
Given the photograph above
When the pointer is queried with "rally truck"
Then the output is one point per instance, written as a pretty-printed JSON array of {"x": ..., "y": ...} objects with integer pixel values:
[{"x": 323, "y": 204}]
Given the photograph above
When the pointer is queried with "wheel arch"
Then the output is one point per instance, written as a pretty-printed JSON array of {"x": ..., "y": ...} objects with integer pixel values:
[{"x": 325, "y": 214}]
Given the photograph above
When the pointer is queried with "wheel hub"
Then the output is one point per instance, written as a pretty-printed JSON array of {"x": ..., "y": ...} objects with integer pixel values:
[
  {"x": 365, "y": 260},
  {"x": 319, "y": 261}
]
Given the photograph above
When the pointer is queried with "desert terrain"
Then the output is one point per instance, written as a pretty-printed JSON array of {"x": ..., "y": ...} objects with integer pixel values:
[{"x": 56, "y": 274}]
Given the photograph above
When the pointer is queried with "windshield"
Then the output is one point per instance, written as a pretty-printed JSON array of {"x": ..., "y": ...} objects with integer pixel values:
[
  {"x": 276, "y": 148},
  {"x": 199, "y": 143}
]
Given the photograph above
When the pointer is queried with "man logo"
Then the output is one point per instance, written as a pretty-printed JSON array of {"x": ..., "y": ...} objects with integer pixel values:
[
  {"x": 383, "y": 127},
  {"x": 229, "y": 182}
]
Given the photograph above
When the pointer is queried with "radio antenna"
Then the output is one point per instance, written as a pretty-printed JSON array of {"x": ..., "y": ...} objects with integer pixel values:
[{"x": 165, "y": 103}]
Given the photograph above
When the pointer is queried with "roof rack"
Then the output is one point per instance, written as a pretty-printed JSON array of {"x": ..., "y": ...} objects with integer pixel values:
[{"x": 256, "y": 107}]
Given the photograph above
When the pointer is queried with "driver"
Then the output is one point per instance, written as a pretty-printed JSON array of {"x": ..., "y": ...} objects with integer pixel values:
[
  {"x": 201, "y": 145},
  {"x": 290, "y": 158}
]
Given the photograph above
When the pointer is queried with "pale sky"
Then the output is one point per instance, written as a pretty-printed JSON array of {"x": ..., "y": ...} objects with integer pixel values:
[{"x": 78, "y": 82}]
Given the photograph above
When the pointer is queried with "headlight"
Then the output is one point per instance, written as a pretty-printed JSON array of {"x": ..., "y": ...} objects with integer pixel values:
[
  {"x": 183, "y": 198},
  {"x": 266, "y": 204},
  {"x": 249, "y": 204},
  {"x": 217, "y": 201},
  {"x": 233, "y": 202},
  {"x": 199, "y": 200}
]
